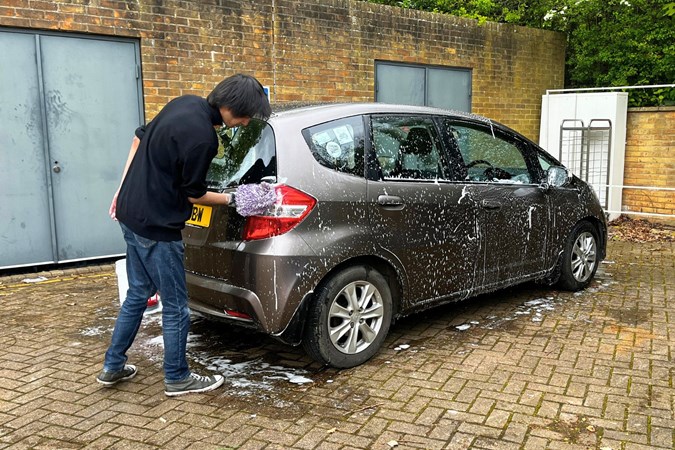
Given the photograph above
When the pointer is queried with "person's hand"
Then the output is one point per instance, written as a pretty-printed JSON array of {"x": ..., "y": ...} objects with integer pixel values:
[
  {"x": 113, "y": 207},
  {"x": 255, "y": 199}
]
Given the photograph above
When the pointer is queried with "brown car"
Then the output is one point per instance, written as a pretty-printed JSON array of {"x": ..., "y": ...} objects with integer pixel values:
[{"x": 382, "y": 211}]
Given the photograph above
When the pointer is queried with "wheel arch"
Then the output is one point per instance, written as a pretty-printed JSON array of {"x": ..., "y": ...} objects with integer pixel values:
[
  {"x": 384, "y": 267},
  {"x": 601, "y": 232},
  {"x": 601, "y": 229},
  {"x": 295, "y": 331}
]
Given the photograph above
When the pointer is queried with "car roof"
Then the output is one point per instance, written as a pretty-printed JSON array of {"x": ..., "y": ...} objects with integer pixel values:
[
  {"x": 327, "y": 111},
  {"x": 299, "y": 114}
]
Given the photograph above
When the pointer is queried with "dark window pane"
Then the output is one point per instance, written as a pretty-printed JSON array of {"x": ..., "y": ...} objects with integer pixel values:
[
  {"x": 488, "y": 157},
  {"x": 338, "y": 145},
  {"x": 400, "y": 84},
  {"x": 249, "y": 157},
  {"x": 449, "y": 89},
  {"x": 406, "y": 147}
]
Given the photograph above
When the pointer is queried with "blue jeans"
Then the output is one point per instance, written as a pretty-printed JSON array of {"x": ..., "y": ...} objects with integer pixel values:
[{"x": 153, "y": 266}]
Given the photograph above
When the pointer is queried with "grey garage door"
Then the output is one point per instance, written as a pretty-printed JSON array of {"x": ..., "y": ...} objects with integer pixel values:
[{"x": 68, "y": 108}]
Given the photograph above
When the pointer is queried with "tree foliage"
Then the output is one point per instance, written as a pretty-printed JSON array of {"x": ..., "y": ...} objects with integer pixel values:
[{"x": 610, "y": 42}]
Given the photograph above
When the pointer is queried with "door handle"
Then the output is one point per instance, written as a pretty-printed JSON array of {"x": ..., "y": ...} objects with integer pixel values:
[
  {"x": 56, "y": 168},
  {"x": 390, "y": 200},
  {"x": 490, "y": 204}
]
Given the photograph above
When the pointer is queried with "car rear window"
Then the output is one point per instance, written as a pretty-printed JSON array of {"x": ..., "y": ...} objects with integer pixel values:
[
  {"x": 246, "y": 155},
  {"x": 338, "y": 144}
]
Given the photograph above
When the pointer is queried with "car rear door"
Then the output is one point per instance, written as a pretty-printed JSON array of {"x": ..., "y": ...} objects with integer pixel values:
[{"x": 423, "y": 221}]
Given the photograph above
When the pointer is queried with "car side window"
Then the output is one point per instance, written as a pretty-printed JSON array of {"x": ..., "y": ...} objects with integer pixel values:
[
  {"x": 488, "y": 157},
  {"x": 338, "y": 144},
  {"x": 546, "y": 160},
  {"x": 407, "y": 148}
]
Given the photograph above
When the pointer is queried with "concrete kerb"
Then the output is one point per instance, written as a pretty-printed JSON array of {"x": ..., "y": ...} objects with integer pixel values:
[{"x": 52, "y": 273}]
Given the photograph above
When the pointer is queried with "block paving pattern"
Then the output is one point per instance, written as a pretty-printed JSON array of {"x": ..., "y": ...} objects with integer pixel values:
[{"x": 526, "y": 368}]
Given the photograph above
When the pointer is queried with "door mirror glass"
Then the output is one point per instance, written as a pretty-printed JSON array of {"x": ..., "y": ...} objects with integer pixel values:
[{"x": 557, "y": 176}]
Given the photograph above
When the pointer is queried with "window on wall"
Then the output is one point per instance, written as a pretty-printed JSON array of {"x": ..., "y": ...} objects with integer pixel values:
[{"x": 442, "y": 87}]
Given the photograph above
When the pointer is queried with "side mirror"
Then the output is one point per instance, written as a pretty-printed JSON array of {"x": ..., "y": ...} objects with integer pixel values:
[{"x": 557, "y": 176}]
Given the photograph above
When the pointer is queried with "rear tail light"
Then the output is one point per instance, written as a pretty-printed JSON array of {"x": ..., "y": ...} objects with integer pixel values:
[{"x": 291, "y": 208}]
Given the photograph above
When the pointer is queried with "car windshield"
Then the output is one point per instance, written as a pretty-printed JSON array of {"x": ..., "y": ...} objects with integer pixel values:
[{"x": 246, "y": 155}]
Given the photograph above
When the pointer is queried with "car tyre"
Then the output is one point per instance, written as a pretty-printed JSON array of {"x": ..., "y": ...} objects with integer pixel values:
[
  {"x": 349, "y": 318},
  {"x": 580, "y": 258}
]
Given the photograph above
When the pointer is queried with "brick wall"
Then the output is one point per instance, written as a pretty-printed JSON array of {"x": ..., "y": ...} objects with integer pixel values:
[
  {"x": 650, "y": 147},
  {"x": 311, "y": 50},
  {"x": 338, "y": 42}
]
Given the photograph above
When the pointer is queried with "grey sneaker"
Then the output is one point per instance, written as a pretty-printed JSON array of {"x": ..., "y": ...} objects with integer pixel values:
[
  {"x": 110, "y": 378},
  {"x": 192, "y": 384}
]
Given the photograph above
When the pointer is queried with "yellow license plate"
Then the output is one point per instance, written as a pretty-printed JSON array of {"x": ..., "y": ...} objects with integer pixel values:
[{"x": 200, "y": 216}]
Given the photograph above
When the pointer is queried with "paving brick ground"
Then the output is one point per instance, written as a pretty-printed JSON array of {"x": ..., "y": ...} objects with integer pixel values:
[{"x": 527, "y": 368}]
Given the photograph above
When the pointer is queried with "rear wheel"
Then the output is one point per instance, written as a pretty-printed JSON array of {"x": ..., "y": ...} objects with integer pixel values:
[
  {"x": 349, "y": 319},
  {"x": 580, "y": 260}
]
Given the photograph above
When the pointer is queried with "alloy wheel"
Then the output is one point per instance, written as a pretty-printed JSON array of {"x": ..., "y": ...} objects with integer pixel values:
[
  {"x": 584, "y": 256},
  {"x": 355, "y": 317}
]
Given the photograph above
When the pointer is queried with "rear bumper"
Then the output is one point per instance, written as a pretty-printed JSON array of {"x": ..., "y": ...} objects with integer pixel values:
[
  {"x": 255, "y": 283},
  {"x": 219, "y": 297},
  {"x": 236, "y": 298}
]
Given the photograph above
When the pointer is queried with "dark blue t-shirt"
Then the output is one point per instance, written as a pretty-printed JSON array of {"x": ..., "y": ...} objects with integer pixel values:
[{"x": 170, "y": 165}]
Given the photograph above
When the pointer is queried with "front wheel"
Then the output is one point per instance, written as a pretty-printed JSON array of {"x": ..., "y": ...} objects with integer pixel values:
[
  {"x": 580, "y": 260},
  {"x": 349, "y": 318}
]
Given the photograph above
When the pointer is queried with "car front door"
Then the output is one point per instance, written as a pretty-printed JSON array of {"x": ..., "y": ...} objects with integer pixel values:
[
  {"x": 512, "y": 209},
  {"x": 420, "y": 219}
]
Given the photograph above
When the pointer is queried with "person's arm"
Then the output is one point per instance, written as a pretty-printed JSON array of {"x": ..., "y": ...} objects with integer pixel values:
[
  {"x": 212, "y": 198},
  {"x": 132, "y": 152}
]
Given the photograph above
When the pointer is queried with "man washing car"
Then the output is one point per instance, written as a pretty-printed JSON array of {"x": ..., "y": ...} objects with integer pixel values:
[{"x": 163, "y": 176}]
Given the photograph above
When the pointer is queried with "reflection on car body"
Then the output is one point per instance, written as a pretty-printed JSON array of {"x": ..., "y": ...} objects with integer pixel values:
[{"x": 382, "y": 211}]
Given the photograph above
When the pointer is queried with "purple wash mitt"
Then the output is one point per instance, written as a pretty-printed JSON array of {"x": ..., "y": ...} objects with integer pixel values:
[{"x": 254, "y": 199}]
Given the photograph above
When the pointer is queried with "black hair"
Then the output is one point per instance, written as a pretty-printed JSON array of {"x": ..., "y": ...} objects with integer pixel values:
[{"x": 243, "y": 95}]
